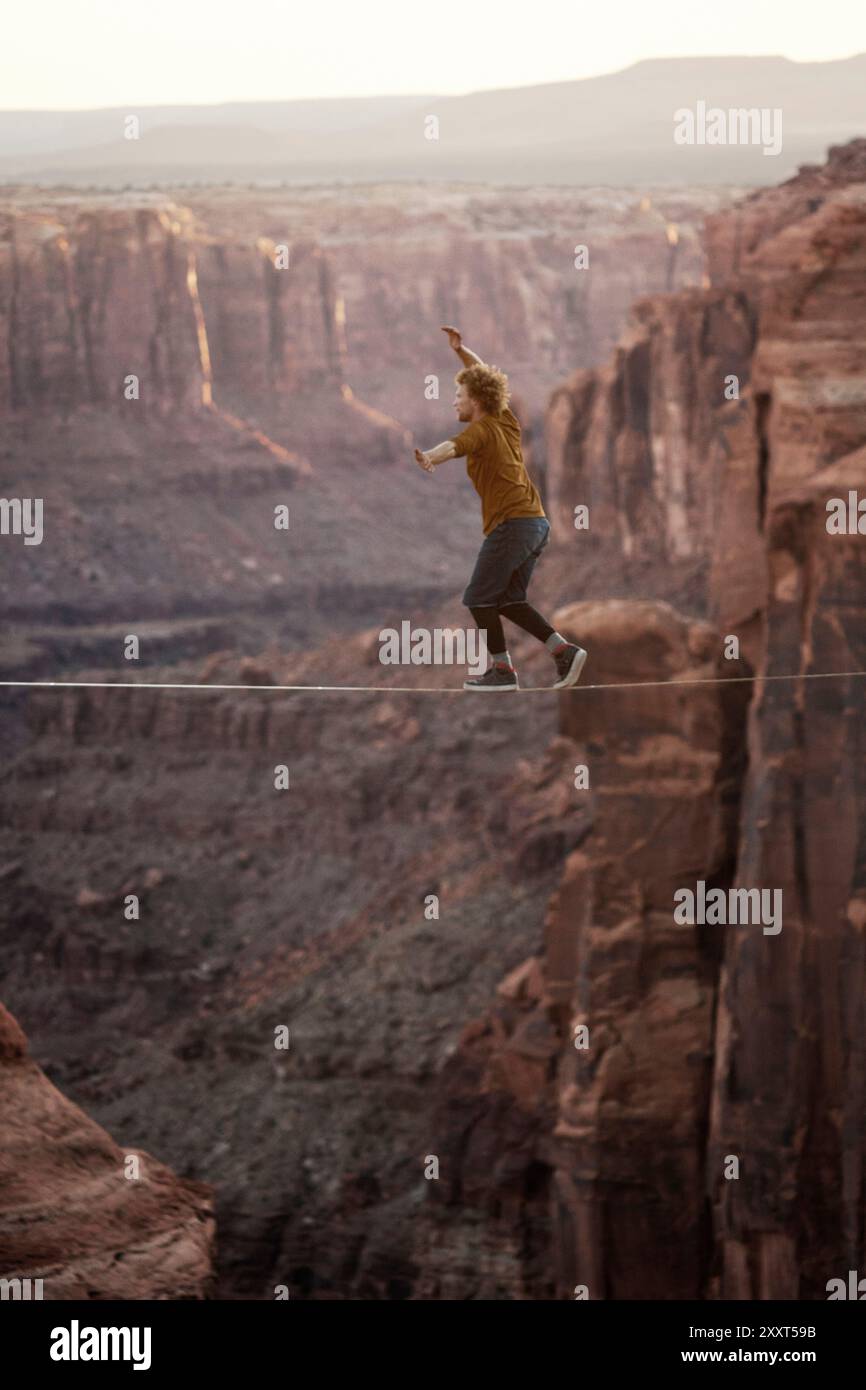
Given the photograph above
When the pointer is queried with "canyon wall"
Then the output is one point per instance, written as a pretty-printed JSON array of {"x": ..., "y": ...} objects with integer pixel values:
[
  {"x": 270, "y": 302},
  {"x": 708, "y": 1044},
  {"x": 717, "y": 402},
  {"x": 88, "y": 1218},
  {"x": 575, "y": 1113},
  {"x": 788, "y": 1090}
]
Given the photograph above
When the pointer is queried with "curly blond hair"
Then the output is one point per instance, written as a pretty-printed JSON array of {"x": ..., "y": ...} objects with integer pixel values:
[{"x": 486, "y": 385}]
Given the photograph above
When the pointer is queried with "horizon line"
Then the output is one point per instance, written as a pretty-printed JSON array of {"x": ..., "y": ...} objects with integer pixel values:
[{"x": 421, "y": 96}]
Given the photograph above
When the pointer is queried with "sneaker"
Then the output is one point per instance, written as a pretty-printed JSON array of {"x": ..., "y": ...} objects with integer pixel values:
[
  {"x": 497, "y": 678},
  {"x": 569, "y": 664}
]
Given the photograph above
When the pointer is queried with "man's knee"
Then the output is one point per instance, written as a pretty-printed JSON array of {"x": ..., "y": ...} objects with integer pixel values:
[{"x": 483, "y": 613}]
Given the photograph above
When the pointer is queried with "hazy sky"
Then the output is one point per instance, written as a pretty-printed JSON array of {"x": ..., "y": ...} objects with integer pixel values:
[{"x": 61, "y": 54}]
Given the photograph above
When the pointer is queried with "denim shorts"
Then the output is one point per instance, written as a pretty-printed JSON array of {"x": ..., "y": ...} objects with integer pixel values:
[{"x": 506, "y": 561}]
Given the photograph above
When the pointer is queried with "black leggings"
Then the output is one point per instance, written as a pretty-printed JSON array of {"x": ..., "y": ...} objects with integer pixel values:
[{"x": 522, "y": 614}]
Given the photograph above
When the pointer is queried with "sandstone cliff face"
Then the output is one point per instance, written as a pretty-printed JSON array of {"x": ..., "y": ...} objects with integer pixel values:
[
  {"x": 709, "y": 1043},
  {"x": 788, "y": 1092},
  {"x": 610, "y": 1129},
  {"x": 668, "y": 465},
  {"x": 71, "y": 1212},
  {"x": 271, "y": 302}
]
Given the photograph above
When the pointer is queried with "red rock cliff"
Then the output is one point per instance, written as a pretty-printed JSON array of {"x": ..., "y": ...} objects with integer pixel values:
[
  {"x": 73, "y": 1211},
  {"x": 275, "y": 301},
  {"x": 706, "y": 1043}
]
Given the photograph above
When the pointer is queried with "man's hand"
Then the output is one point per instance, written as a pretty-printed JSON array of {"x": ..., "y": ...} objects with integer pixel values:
[
  {"x": 455, "y": 339},
  {"x": 423, "y": 462}
]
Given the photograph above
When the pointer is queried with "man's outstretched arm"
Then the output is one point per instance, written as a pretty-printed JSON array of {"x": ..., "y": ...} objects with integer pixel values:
[{"x": 441, "y": 454}]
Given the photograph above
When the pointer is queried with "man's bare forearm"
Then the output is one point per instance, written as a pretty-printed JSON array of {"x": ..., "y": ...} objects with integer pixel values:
[
  {"x": 455, "y": 338},
  {"x": 440, "y": 454},
  {"x": 443, "y": 452}
]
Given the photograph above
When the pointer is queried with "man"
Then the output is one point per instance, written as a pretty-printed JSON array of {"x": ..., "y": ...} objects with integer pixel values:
[{"x": 515, "y": 527}]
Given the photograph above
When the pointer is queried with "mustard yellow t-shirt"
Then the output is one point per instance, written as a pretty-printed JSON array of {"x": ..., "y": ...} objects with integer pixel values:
[{"x": 495, "y": 465}]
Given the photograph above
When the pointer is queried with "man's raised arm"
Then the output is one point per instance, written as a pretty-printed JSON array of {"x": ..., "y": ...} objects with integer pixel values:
[
  {"x": 455, "y": 339},
  {"x": 469, "y": 359}
]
